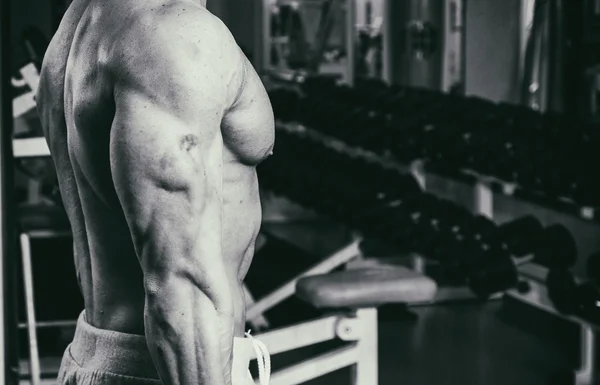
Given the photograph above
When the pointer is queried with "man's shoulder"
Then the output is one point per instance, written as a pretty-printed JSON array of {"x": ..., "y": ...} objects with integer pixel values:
[{"x": 178, "y": 34}]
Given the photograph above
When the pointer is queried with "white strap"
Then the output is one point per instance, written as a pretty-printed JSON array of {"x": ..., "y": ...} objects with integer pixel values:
[{"x": 263, "y": 358}]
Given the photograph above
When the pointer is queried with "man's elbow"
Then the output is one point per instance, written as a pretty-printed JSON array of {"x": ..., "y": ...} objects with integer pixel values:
[
  {"x": 173, "y": 295},
  {"x": 170, "y": 308}
]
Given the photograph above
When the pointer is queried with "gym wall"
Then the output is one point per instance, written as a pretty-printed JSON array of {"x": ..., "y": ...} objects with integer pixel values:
[{"x": 492, "y": 49}]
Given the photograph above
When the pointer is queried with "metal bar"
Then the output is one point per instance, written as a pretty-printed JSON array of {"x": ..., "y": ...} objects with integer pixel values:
[
  {"x": 350, "y": 41},
  {"x": 300, "y": 335},
  {"x": 50, "y": 324},
  {"x": 386, "y": 35},
  {"x": 484, "y": 200},
  {"x": 366, "y": 372},
  {"x": 288, "y": 289},
  {"x": 23, "y": 104},
  {"x": 30, "y": 147},
  {"x": 537, "y": 296},
  {"x": 525, "y": 27},
  {"x": 31, "y": 76},
  {"x": 533, "y": 271},
  {"x": 329, "y": 9},
  {"x": 260, "y": 322},
  {"x": 266, "y": 36},
  {"x": 4, "y": 127},
  {"x": 8, "y": 322},
  {"x": 34, "y": 356},
  {"x": 586, "y": 375},
  {"x": 45, "y": 234},
  {"x": 317, "y": 366}
]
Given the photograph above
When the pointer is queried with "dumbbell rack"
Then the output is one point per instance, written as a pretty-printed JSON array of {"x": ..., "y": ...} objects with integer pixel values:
[
  {"x": 416, "y": 169},
  {"x": 484, "y": 191}
]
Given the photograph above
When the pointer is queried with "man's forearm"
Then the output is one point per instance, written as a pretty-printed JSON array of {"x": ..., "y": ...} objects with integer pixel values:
[{"x": 189, "y": 337}]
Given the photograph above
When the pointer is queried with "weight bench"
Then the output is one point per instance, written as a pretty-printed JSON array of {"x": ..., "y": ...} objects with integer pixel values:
[
  {"x": 255, "y": 309},
  {"x": 353, "y": 296}
]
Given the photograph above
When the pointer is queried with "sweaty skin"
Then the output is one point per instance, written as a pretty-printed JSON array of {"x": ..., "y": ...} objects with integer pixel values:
[{"x": 156, "y": 122}]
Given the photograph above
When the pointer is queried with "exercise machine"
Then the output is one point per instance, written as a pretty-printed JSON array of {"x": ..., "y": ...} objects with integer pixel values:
[{"x": 313, "y": 23}]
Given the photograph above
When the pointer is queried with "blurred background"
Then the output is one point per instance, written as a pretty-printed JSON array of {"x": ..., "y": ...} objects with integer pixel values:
[{"x": 487, "y": 113}]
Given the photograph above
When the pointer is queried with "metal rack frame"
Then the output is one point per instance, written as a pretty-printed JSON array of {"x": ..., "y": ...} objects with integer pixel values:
[
  {"x": 8, "y": 322},
  {"x": 265, "y": 39},
  {"x": 483, "y": 205}
]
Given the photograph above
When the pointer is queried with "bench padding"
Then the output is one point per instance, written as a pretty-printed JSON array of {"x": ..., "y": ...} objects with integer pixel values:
[{"x": 368, "y": 287}]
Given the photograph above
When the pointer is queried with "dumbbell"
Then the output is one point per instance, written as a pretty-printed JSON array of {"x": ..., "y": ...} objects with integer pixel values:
[
  {"x": 432, "y": 231},
  {"x": 593, "y": 267},
  {"x": 496, "y": 274},
  {"x": 482, "y": 251},
  {"x": 349, "y": 182},
  {"x": 411, "y": 222},
  {"x": 285, "y": 103},
  {"x": 572, "y": 298},
  {"x": 422, "y": 99},
  {"x": 556, "y": 247},
  {"x": 588, "y": 294},
  {"x": 315, "y": 85},
  {"x": 474, "y": 236},
  {"x": 487, "y": 267},
  {"x": 484, "y": 261},
  {"x": 372, "y": 91},
  {"x": 324, "y": 114},
  {"x": 392, "y": 220},
  {"x": 365, "y": 197},
  {"x": 372, "y": 191},
  {"x": 562, "y": 290},
  {"x": 552, "y": 246},
  {"x": 424, "y": 220},
  {"x": 447, "y": 221},
  {"x": 521, "y": 235},
  {"x": 395, "y": 101},
  {"x": 381, "y": 222},
  {"x": 370, "y": 132}
]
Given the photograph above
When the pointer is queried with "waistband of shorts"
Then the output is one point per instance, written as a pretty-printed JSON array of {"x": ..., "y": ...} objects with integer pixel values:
[
  {"x": 110, "y": 351},
  {"x": 128, "y": 354}
]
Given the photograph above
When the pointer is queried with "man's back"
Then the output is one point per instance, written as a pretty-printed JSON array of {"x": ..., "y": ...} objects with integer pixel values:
[{"x": 155, "y": 121}]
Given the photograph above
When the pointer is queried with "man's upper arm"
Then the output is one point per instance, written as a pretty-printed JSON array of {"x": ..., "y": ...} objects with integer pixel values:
[{"x": 170, "y": 96}]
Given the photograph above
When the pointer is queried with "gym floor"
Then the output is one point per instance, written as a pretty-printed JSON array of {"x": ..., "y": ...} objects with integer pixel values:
[{"x": 499, "y": 342}]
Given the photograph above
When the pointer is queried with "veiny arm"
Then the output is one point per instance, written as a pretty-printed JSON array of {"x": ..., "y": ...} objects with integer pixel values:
[{"x": 166, "y": 165}]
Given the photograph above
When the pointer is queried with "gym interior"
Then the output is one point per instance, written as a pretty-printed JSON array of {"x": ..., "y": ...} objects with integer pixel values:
[{"x": 427, "y": 213}]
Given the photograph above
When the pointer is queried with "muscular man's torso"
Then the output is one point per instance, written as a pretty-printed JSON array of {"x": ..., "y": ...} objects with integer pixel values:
[{"x": 76, "y": 106}]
